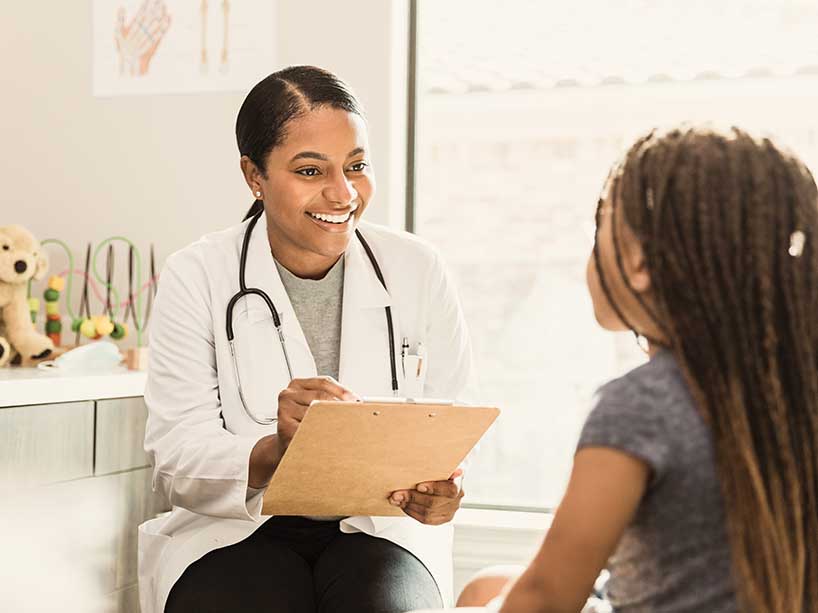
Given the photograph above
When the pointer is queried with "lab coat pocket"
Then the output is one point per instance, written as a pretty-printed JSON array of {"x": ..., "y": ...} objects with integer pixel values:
[
  {"x": 414, "y": 368},
  {"x": 151, "y": 546}
]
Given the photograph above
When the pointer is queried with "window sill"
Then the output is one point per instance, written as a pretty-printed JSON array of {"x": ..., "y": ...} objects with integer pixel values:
[{"x": 497, "y": 519}]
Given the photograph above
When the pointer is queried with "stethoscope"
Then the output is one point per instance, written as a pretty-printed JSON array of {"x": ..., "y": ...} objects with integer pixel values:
[{"x": 246, "y": 291}]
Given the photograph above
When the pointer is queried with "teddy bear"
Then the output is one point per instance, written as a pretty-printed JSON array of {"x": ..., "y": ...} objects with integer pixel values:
[{"x": 21, "y": 259}]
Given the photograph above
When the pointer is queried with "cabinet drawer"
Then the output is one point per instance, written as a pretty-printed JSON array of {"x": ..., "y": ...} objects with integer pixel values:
[
  {"x": 131, "y": 503},
  {"x": 46, "y": 443},
  {"x": 120, "y": 435},
  {"x": 96, "y": 527}
]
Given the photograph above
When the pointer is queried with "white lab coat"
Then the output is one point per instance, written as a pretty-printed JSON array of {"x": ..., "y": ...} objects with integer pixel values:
[{"x": 198, "y": 434}]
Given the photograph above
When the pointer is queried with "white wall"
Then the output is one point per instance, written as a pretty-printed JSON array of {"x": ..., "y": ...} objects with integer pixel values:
[{"x": 164, "y": 169}]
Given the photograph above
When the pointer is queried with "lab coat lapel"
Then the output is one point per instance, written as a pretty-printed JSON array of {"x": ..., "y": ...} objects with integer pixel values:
[
  {"x": 364, "y": 362},
  {"x": 261, "y": 272}
]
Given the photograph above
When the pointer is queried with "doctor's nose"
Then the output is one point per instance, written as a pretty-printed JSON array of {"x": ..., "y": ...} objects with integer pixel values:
[
  {"x": 20, "y": 266},
  {"x": 341, "y": 191}
]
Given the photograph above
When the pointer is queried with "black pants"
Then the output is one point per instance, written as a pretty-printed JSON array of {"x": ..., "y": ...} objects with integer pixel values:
[{"x": 297, "y": 565}]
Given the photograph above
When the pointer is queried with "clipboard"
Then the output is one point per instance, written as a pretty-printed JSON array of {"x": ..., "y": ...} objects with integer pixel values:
[{"x": 346, "y": 458}]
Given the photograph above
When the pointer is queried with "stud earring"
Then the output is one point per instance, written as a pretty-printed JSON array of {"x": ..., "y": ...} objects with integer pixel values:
[{"x": 258, "y": 194}]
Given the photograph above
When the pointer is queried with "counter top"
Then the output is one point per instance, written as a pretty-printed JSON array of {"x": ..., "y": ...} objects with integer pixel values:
[{"x": 26, "y": 386}]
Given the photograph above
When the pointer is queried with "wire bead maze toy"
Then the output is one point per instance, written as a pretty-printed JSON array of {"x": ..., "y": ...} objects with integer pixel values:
[{"x": 107, "y": 322}]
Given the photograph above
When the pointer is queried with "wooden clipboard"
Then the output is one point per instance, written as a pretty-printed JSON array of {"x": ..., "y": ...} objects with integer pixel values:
[{"x": 346, "y": 458}]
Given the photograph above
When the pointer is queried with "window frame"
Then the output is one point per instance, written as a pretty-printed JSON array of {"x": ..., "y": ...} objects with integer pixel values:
[{"x": 411, "y": 203}]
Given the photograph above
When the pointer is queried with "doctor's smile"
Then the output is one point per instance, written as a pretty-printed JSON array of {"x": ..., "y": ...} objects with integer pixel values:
[{"x": 335, "y": 221}]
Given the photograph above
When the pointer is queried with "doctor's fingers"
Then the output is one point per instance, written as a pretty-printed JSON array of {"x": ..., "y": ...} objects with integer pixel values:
[
  {"x": 427, "y": 501},
  {"x": 448, "y": 489},
  {"x": 327, "y": 385},
  {"x": 430, "y": 517},
  {"x": 302, "y": 398}
]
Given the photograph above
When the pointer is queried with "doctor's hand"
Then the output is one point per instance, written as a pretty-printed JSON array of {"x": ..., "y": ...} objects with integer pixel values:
[
  {"x": 433, "y": 503},
  {"x": 295, "y": 399}
]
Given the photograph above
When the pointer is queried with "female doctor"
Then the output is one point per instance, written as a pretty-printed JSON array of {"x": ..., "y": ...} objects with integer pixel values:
[{"x": 303, "y": 301}]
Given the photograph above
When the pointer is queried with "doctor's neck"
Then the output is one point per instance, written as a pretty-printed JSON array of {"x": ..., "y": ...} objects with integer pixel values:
[{"x": 303, "y": 263}]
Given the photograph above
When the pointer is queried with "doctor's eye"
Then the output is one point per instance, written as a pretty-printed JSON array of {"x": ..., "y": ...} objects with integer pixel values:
[
  {"x": 312, "y": 171},
  {"x": 6, "y": 247},
  {"x": 358, "y": 166}
]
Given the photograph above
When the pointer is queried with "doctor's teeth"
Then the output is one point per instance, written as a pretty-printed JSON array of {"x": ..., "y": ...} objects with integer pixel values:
[{"x": 331, "y": 218}]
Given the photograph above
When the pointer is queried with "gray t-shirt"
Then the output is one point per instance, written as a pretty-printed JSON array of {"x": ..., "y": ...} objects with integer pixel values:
[
  {"x": 318, "y": 305},
  {"x": 674, "y": 557}
]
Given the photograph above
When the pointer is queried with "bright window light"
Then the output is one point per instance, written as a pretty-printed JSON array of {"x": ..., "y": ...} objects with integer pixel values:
[{"x": 523, "y": 105}]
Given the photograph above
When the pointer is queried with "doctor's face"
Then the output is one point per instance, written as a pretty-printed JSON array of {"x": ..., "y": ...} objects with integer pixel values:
[{"x": 317, "y": 186}]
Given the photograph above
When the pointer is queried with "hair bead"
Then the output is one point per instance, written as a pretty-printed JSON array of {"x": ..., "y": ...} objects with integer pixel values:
[{"x": 797, "y": 241}]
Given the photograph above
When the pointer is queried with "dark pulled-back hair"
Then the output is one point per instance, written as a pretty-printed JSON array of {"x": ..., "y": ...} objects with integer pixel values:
[
  {"x": 729, "y": 227},
  {"x": 275, "y": 101}
]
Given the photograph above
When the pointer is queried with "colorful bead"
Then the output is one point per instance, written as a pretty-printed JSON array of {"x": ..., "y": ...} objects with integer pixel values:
[
  {"x": 56, "y": 283},
  {"x": 119, "y": 332},
  {"x": 55, "y": 338},
  {"x": 51, "y": 295},
  {"x": 53, "y": 326},
  {"x": 103, "y": 325},
  {"x": 88, "y": 328},
  {"x": 54, "y": 317},
  {"x": 75, "y": 325},
  {"x": 33, "y": 305},
  {"x": 52, "y": 308}
]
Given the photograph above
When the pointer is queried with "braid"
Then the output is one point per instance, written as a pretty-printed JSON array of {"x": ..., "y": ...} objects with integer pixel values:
[
  {"x": 714, "y": 213},
  {"x": 619, "y": 187}
]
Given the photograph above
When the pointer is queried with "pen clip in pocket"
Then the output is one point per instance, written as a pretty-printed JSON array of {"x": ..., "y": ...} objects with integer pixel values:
[{"x": 413, "y": 367}]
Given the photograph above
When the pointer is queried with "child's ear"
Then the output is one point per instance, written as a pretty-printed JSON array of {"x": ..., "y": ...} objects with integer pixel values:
[
  {"x": 42, "y": 267},
  {"x": 639, "y": 275}
]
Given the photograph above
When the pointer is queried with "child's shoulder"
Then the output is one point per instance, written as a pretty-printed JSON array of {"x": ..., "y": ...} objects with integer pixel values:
[
  {"x": 656, "y": 382},
  {"x": 640, "y": 412}
]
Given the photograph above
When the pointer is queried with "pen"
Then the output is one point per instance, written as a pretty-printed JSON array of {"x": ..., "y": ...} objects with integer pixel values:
[
  {"x": 421, "y": 355},
  {"x": 404, "y": 348}
]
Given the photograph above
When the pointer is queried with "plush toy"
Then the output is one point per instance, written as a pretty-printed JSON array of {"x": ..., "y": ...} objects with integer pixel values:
[{"x": 21, "y": 259}]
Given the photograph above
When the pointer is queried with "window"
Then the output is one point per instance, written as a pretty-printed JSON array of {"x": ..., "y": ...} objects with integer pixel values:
[{"x": 522, "y": 106}]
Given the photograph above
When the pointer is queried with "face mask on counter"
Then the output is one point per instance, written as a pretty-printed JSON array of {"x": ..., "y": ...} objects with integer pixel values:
[{"x": 100, "y": 357}]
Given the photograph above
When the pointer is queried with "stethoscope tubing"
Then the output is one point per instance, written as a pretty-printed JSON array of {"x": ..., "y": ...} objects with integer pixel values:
[{"x": 245, "y": 291}]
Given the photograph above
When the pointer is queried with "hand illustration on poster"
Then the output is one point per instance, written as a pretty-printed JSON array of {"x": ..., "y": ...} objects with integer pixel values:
[{"x": 138, "y": 39}]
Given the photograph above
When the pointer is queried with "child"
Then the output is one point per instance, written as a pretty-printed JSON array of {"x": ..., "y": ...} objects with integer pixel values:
[{"x": 696, "y": 475}]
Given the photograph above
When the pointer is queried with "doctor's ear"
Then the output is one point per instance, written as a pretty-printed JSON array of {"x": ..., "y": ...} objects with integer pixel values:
[{"x": 253, "y": 175}]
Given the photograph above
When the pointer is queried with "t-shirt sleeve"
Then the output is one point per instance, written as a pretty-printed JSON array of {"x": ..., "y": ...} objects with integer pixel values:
[{"x": 623, "y": 418}]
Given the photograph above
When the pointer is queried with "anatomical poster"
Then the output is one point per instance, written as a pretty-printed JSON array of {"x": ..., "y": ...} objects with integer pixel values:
[{"x": 178, "y": 46}]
